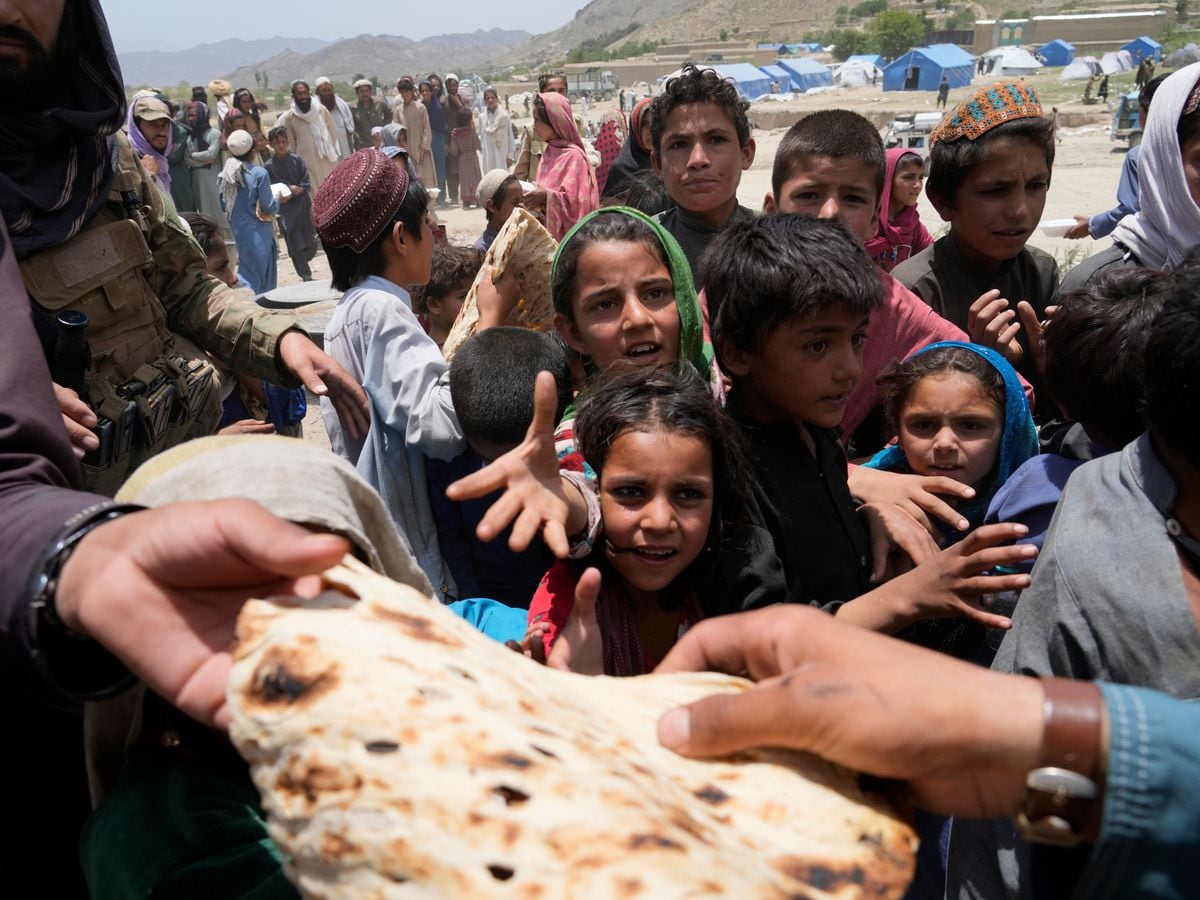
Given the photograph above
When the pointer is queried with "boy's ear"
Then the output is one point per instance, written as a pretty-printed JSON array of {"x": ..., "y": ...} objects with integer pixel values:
[
  {"x": 655, "y": 162},
  {"x": 569, "y": 332},
  {"x": 944, "y": 209},
  {"x": 769, "y": 208},
  {"x": 748, "y": 154},
  {"x": 734, "y": 360}
]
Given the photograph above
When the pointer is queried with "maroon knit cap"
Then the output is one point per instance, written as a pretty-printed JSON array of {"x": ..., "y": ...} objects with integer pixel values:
[{"x": 358, "y": 200}]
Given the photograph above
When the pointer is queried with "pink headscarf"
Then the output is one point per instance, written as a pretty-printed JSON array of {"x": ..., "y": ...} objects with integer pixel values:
[
  {"x": 894, "y": 242},
  {"x": 564, "y": 170}
]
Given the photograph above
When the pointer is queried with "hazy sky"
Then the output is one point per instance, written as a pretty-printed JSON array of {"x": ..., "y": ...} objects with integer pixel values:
[{"x": 146, "y": 25}]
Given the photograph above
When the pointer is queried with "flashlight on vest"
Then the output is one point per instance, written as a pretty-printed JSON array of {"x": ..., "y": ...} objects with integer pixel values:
[{"x": 71, "y": 356}]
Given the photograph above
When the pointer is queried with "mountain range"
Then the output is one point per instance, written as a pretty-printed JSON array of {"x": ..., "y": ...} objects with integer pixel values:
[{"x": 202, "y": 63}]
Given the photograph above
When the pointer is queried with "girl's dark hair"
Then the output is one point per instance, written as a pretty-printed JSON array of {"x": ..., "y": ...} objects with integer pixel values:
[
  {"x": 539, "y": 110},
  {"x": 205, "y": 230},
  {"x": 897, "y": 382},
  {"x": 350, "y": 268},
  {"x": 1188, "y": 128},
  {"x": 674, "y": 399},
  {"x": 604, "y": 227},
  {"x": 951, "y": 161}
]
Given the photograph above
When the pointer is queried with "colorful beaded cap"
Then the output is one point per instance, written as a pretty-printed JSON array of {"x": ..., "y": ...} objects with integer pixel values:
[{"x": 986, "y": 108}]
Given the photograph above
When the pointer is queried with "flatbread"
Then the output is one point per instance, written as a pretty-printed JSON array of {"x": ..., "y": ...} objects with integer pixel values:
[
  {"x": 523, "y": 249},
  {"x": 402, "y": 754}
]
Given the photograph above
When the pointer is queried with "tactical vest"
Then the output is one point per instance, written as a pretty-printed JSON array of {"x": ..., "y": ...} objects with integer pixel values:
[{"x": 148, "y": 393}]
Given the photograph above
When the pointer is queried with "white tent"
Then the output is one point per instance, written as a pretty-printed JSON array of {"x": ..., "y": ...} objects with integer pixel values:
[
  {"x": 856, "y": 74},
  {"x": 1117, "y": 61},
  {"x": 1013, "y": 61},
  {"x": 1081, "y": 69}
]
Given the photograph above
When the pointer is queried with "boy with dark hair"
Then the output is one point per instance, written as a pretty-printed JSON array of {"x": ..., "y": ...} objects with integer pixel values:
[
  {"x": 990, "y": 165},
  {"x": 491, "y": 381},
  {"x": 702, "y": 144},
  {"x": 295, "y": 208},
  {"x": 499, "y": 194},
  {"x": 439, "y": 300},
  {"x": 1116, "y": 592}
]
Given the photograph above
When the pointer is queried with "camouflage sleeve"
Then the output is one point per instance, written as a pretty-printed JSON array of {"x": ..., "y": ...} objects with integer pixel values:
[{"x": 240, "y": 334}]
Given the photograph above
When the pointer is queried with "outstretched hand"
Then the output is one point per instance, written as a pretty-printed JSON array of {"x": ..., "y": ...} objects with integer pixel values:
[
  {"x": 962, "y": 737},
  {"x": 325, "y": 377},
  {"x": 161, "y": 590},
  {"x": 991, "y": 323},
  {"x": 918, "y": 495},
  {"x": 535, "y": 498},
  {"x": 579, "y": 647}
]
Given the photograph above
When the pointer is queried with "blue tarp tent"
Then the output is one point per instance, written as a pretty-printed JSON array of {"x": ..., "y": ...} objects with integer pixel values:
[
  {"x": 1143, "y": 47},
  {"x": 749, "y": 80},
  {"x": 873, "y": 59},
  {"x": 1056, "y": 53},
  {"x": 783, "y": 76},
  {"x": 806, "y": 73},
  {"x": 922, "y": 68}
]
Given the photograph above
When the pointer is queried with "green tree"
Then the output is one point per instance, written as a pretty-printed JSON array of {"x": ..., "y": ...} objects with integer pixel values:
[
  {"x": 894, "y": 32},
  {"x": 723, "y": 34},
  {"x": 847, "y": 42},
  {"x": 1181, "y": 10}
]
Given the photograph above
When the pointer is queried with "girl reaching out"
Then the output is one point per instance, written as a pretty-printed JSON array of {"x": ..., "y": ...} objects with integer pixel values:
[
  {"x": 900, "y": 232},
  {"x": 671, "y": 486},
  {"x": 958, "y": 410}
]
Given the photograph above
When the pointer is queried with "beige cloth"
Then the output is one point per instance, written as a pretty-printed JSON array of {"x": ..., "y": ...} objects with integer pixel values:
[
  {"x": 304, "y": 143},
  {"x": 415, "y": 118},
  {"x": 293, "y": 479}
]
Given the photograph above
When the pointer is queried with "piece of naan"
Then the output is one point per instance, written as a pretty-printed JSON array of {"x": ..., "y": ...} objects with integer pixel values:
[
  {"x": 400, "y": 753},
  {"x": 524, "y": 250}
]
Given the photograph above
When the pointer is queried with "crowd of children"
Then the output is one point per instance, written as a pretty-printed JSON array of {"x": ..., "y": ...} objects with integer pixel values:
[{"x": 817, "y": 404}]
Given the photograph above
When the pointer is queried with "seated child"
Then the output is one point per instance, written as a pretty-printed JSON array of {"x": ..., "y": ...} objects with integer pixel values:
[
  {"x": 701, "y": 146},
  {"x": 1095, "y": 347},
  {"x": 438, "y": 301},
  {"x": 672, "y": 485},
  {"x": 958, "y": 410},
  {"x": 1116, "y": 592},
  {"x": 790, "y": 298},
  {"x": 900, "y": 233},
  {"x": 499, "y": 194},
  {"x": 492, "y": 384},
  {"x": 990, "y": 164},
  {"x": 374, "y": 225}
]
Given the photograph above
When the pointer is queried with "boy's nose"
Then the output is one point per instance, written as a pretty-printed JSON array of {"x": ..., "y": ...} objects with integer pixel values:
[
  {"x": 698, "y": 158},
  {"x": 830, "y": 209}
]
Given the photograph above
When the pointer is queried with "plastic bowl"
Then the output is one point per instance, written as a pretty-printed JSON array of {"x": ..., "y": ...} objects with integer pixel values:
[{"x": 1057, "y": 227}]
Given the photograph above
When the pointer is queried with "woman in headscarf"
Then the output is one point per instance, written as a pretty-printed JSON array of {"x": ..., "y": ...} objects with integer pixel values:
[
  {"x": 634, "y": 156},
  {"x": 244, "y": 100},
  {"x": 203, "y": 159},
  {"x": 1167, "y": 226},
  {"x": 610, "y": 138},
  {"x": 566, "y": 182}
]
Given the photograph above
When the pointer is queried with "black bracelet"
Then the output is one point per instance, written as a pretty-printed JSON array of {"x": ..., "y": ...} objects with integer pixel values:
[{"x": 44, "y": 602}]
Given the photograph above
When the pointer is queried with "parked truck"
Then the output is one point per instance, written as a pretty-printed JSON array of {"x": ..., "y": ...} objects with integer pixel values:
[{"x": 599, "y": 85}]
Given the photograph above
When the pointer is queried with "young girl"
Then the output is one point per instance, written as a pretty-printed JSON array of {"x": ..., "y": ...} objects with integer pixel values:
[
  {"x": 900, "y": 232},
  {"x": 566, "y": 181},
  {"x": 671, "y": 485},
  {"x": 959, "y": 411}
]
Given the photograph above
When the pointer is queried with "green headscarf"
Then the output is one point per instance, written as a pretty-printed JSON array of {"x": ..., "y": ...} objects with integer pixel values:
[{"x": 692, "y": 345}]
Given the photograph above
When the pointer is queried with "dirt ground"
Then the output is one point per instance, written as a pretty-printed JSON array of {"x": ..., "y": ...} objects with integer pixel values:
[{"x": 1087, "y": 168}]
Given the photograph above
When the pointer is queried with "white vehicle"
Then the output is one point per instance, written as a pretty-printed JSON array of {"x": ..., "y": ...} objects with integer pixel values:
[{"x": 911, "y": 130}]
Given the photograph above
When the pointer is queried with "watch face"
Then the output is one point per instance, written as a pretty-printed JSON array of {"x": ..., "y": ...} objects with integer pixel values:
[{"x": 1060, "y": 807}]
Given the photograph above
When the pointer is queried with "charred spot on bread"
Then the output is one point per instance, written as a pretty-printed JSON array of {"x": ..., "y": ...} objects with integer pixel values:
[
  {"x": 511, "y": 760},
  {"x": 544, "y": 751},
  {"x": 463, "y": 674},
  {"x": 510, "y": 795},
  {"x": 292, "y": 675},
  {"x": 417, "y": 627},
  {"x": 382, "y": 746},
  {"x": 501, "y": 873},
  {"x": 711, "y": 794},
  {"x": 822, "y": 876},
  {"x": 657, "y": 841}
]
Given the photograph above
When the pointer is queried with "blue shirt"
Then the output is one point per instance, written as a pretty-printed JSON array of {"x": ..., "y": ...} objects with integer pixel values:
[{"x": 1128, "y": 200}]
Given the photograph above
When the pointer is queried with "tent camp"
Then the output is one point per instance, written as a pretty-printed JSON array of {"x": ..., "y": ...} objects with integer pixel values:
[
  {"x": 749, "y": 80},
  {"x": 922, "y": 68},
  {"x": 806, "y": 73},
  {"x": 1012, "y": 61},
  {"x": 853, "y": 73},
  {"x": 1142, "y": 47},
  {"x": 1056, "y": 53},
  {"x": 873, "y": 59},
  {"x": 1117, "y": 61},
  {"x": 1082, "y": 68},
  {"x": 781, "y": 75},
  {"x": 1184, "y": 56}
]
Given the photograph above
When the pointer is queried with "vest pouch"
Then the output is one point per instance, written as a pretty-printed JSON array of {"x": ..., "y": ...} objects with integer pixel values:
[{"x": 101, "y": 272}]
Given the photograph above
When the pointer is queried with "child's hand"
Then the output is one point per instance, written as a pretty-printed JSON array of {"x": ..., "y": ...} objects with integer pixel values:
[
  {"x": 533, "y": 644},
  {"x": 917, "y": 495},
  {"x": 894, "y": 533},
  {"x": 534, "y": 493},
  {"x": 1079, "y": 229},
  {"x": 496, "y": 299},
  {"x": 579, "y": 647},
  {"x": 990, "y": 323},
  {"x": 1036, "y": 330}
]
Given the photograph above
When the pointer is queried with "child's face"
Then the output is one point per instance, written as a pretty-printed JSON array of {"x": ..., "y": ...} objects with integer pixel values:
[
  {"x": 280, "y": 146},
  {"x": 828, "y": 187},
  {"x": 624, "y": 307},
  {"x": 444, "y": 310},
  {"x": 514, "y": 196},
  {"x": 544, "y": 131},
  {"x": 1000, "y": 201},
  {"x": 804, "y": 371},
  {"x": 218, "y": 262},
  {"x": 949, "y": 426},
  {"x": 700, "y": 160},
  {"x": 908, "y": 181},
  {"x": 656, "y": 500}
]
